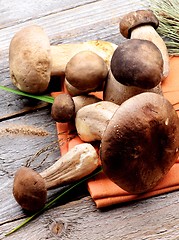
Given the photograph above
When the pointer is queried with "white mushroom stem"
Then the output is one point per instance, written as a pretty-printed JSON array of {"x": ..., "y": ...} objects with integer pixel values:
[
  {"x": 62, "y": 53},
  {"x": 147, "y": 32},
  {"x": 92, "y": 120},
  {"x": 77, "y": 163}
]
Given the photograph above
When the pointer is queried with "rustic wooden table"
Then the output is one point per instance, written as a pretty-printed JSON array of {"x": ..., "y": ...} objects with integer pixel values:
[{"x": 26, "y": 127}]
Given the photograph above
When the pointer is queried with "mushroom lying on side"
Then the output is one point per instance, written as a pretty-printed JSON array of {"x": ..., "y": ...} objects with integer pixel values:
[
  {"x": 30, "y": 188},
  {"x": 141, "y": 142},
  {"x": 33, "y": 61},
  {"x": 141, "y": 24}
]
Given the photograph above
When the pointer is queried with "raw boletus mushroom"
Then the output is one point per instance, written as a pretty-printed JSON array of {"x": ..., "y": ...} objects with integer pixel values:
[
  {"x": 141, "y": 24},
  {"x": 140, "y": 143},
  {"x": 86, "y": 71},
  {"x": 30, "y": 188},
  {"x": 137, "y": 63},
  {"x": 63, "y": 108},
  {"x": 30, "y": 60}
]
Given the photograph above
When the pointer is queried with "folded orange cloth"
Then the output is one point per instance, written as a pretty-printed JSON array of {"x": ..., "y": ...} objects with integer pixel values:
[{"x": 103, "y": 191}]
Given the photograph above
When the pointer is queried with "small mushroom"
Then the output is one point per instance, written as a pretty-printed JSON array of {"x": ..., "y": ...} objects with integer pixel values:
[
  {"x": 140, "y": 143},
  {"x": 65, "y": 107},
  {"x": 32, "y": 61},
  {"x": 86, "y": 71},
  {"x": 30, "y": 188},
  {"x": 117, "y": 93},
  {"x": 137, "y": 63},
  {"x": 141, "y": 24},
  {"x": 91, "y": 120}
]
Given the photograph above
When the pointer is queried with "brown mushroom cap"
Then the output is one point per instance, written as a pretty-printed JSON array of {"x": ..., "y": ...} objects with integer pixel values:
[
  {"x": 135, "y": 19},
  {"x": 141, "y": 142},
  {"x": 137, "y": 63},
  {"x": 30, "y": 60},
  {"x": 29, "y": 189},
  {"x": 86, "y": 71},
  {"x": 63, "y": 108}
]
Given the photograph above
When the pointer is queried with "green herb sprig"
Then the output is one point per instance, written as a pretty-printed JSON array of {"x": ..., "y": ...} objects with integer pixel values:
[
  {"x": 44, "y": 98},
  {"x": 167, "y": 12}
]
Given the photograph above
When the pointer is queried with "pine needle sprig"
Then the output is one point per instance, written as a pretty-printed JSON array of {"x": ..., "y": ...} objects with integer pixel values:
[{"x": 167, "y": 12}]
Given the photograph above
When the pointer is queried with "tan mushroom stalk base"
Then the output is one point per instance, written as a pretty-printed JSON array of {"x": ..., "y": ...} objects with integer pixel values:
[
  {"x": 117, "y": 93},
  {"x": 92, "y": 120},
  {"x": 30, "y": 188},
  {"x": 32, "y": 61}
]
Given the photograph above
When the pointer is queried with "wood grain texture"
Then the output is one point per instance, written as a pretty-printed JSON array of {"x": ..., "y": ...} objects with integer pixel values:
[
  {"x": 26, "y": 127},
  {"x": 81, "y": 220}
]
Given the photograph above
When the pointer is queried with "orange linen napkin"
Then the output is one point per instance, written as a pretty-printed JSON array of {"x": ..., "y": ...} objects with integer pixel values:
[{"x": 103, "y": 191}]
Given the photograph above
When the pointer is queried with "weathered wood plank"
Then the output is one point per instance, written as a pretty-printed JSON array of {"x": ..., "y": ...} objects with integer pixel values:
[
  {"x": 14, "y": 12},
  {"x": 81, "y": 220}
]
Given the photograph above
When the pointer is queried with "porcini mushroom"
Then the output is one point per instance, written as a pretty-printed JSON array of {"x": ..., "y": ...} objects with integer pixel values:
[
  {"x": 86, "y": 71},
  {"x": 65, "y": 107},
  {"x": 33, "y": 61},
  {"x": 140, "y": 143},
  {"x": 30, "y": 188},
  {"x": 91, "y": 120},
  {"x": 30, "y": 60},
  {"x": 137, "y": 63},
  {"x": 141, "y": 24}
]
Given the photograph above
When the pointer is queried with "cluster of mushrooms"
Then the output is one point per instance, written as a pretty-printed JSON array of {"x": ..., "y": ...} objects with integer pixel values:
[{"x": 136, "y": 126}]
